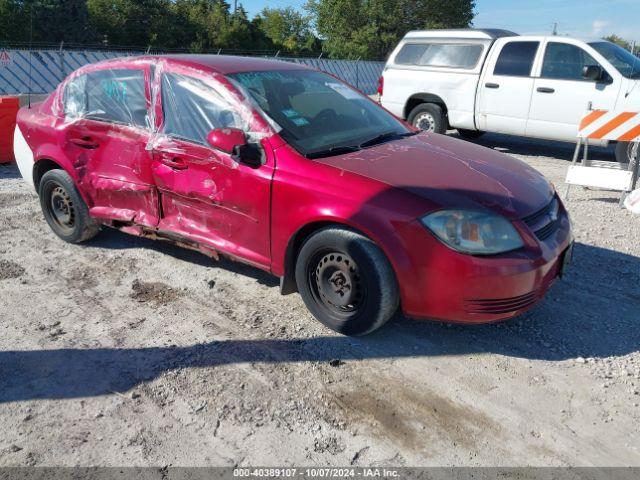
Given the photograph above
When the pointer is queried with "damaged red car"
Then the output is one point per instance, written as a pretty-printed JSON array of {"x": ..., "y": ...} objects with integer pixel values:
[{"x": 294, "y": 172}]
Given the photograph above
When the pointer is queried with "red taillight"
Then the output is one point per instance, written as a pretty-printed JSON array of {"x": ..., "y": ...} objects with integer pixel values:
[{"x": 380, "y": 85}]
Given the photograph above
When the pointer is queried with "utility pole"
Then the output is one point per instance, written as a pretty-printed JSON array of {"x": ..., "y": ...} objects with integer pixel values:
[
  {"x": 555, "y": 29},
  {"x": 235, "y": 6}
]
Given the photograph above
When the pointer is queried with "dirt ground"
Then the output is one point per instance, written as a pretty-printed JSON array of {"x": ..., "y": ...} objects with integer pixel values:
[{"x": 128, "y": 352}]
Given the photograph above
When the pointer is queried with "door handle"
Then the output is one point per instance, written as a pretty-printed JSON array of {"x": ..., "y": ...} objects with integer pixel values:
[
  {"x": 492, "y": 85},
  {"x": 546, "y": 90},
  {"x": 175, "y": 163},
  {"x": 84, "y": 142}
]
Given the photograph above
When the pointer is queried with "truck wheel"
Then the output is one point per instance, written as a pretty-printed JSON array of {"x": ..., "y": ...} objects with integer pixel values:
[
  {"x": 428, "y": 117},
  {"x": 626, "y": 153},
  {"x": 63, "y": 208},
  {"x": 346, "y": 281},
  {"x": 470, "y": 134}
]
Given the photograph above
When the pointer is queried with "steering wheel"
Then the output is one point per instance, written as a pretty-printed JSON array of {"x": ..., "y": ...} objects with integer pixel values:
[{"x": 325, "y": 116}]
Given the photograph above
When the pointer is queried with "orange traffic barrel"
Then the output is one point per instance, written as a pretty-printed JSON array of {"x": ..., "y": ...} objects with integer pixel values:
[{"x": 9, "y": 107}]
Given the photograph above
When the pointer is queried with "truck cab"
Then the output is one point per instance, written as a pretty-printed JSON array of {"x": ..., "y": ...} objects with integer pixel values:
[{"x": 497, "y": 81}]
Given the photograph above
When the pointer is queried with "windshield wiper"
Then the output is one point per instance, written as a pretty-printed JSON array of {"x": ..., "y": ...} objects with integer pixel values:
[
  {"x": 383, "y": 137},
  {"x": 333, "y": 151}
]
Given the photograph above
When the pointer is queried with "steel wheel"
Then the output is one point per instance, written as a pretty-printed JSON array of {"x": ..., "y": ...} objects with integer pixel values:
[
  {"x": 61, "y": 208},
  {"x": 336, "y": 283}
]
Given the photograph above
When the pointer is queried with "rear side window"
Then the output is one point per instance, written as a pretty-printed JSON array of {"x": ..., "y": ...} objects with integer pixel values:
[
  {"x": 516, "y": 59},
  {"x": 116, "y": 96},
  {"x": 450, "y": 55},
  {"x": 192, "y": 108}
]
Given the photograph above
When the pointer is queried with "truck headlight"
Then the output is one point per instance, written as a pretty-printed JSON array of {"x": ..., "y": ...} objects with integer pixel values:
[{"x": 475, "y": 233}]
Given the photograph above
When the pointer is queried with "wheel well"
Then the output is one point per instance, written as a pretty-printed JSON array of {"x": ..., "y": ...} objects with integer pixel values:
[
  {"x": 419, "y": 98},
  {"x": 288, "y": 281},
  {"x": 40, "y": 168}
]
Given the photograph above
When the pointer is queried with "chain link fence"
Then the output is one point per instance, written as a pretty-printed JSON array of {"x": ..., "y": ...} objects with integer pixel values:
[{"x": 40, "y": 70}]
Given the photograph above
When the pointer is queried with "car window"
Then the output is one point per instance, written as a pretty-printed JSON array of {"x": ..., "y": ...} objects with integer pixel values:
[
  {"x": 75, "y": 97},
  {"x": 192, "y": 108},
  {"x": 117, "y": 96},
  {"x": 451, "y": 55},
  {"x": 565, "y": 62},
  {"x": 315, "y": 111},
  {"x": 516, "y": 59}
]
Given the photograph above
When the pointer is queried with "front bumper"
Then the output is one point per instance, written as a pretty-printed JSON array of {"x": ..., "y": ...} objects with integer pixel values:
[{"x": 450, "y": 286}]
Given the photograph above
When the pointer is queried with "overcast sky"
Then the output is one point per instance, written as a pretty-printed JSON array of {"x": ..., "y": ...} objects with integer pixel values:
[{"x": 584, "y": 18}]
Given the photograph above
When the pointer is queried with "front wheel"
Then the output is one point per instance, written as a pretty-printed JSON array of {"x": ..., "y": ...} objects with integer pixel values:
[
  {"x": 346, "y": 281},
  {"x": 63, "y": 208},
  {"x": 627, "y": 152}
]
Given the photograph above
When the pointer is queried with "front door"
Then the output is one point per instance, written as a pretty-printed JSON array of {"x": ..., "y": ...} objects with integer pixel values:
[
  {"x": 106, "y": 133},
  {"x": 504, "y": 93},
  {"x": 205, "y": 194},
  {"x": 562, "y": 96}
]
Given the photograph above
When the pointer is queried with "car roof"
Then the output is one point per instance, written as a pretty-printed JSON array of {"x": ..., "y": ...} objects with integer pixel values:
[
  {"x": 474, "y": 33},
  {"x": 223, "y": 64}
]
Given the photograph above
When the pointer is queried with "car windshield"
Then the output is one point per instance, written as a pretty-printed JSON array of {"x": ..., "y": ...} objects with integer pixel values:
[
  {"x": 624, "y": 61},
  {"x": 319, "y": 115}
]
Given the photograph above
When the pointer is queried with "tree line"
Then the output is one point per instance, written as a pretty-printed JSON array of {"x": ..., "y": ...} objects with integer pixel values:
[{"x": 366, "y": 29}]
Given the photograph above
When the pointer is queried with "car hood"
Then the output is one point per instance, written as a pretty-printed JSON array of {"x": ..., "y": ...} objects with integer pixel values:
[{"x": 452, "y": 173}]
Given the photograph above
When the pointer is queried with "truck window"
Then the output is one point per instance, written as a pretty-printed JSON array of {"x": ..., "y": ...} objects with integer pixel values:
[
  {"x": 565, "y": 62},
  {"x": 449, "y": 55},
  {"x": 516, "y": 59}
]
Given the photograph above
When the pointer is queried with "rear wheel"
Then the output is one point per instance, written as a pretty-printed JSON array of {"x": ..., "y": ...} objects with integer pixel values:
[
  {"x": 428, "y": 117},
  {"x": 346, "y": 281},
  {"x": 63, "y": 208}
]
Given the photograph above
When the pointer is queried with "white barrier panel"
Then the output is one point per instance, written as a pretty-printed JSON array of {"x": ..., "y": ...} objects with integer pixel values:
[{"x": 607, "y": 178}]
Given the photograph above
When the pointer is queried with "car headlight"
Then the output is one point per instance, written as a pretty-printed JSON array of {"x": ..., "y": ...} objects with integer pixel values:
[{"x": 475, "y": 233}]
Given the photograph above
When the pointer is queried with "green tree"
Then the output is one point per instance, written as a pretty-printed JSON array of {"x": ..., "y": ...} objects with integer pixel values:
[
  {"x": 622, "y": 42},
  {"x": 371, "y": 28},
  {"x": 287, "y": 29}
]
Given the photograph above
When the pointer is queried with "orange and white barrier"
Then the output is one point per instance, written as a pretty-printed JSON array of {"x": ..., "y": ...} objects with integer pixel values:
[
  {"x": 610, "y": 125},
  {"x": 605, "y": 125}
]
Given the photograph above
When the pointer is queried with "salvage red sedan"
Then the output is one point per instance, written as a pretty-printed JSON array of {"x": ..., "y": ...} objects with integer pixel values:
[{"x": 292, "y": 171}]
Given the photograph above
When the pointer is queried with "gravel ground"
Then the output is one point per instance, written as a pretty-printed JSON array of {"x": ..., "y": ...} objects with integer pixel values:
[{"x": 128, "y": 352}]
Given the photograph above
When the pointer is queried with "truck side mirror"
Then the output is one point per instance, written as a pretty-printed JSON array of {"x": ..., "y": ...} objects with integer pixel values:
[{"x": 594, "y": 73}]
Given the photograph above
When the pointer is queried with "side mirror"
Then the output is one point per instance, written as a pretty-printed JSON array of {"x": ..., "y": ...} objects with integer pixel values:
[
  {"x": 594, "y": 73},
  {"x": 226, "y": 139}
]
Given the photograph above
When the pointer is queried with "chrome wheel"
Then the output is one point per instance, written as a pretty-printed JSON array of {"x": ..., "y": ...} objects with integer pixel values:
[{"x": 425, "y": 121}]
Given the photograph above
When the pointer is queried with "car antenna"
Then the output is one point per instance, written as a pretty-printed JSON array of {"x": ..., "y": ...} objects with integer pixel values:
[{"x": 30, "y": 53}]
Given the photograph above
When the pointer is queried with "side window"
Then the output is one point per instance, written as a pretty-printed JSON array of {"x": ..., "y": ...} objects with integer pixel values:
[
  {"x": 565, "y": 62},
  {"x": 116, "y": 96},
  {"x": 192, "y": 108},
  {"x": 450, "y": 55},
  {"x": 516, "y": 59},
  {"x": 75, "y": 97}
]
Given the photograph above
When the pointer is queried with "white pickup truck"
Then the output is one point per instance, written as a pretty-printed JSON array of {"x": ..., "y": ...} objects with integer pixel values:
[{"x": 480, "y": 81}]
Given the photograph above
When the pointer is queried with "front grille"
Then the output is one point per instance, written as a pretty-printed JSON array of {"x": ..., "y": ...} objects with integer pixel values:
[
  {"x": 544, "y": 222},
  {"x": 501, "y": 305}
]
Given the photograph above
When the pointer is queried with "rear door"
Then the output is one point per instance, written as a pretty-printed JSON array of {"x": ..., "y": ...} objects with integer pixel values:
[
  {"x": 504, "y": 96},
  {"x": 562, "y": 95},
  {"x": 205, "y": 194},
  {"x": 106, "y": 133}
]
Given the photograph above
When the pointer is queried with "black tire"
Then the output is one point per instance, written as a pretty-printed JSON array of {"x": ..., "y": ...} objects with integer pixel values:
[
  {"x": 346, "y": 281},
  {"x": 429, "y": 117},
  {"x": 470, "y": 134},
  {"x": 63, "y": 208},
  {"x": 627, "y": 153}
]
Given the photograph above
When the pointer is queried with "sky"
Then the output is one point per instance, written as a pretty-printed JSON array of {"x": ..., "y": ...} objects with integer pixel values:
[{"x": 581, "y": 18}]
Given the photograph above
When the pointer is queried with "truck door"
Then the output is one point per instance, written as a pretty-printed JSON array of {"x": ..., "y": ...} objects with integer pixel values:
[
  {"x": 562, "y": 95},
  {"x": 505, "y": 89}
]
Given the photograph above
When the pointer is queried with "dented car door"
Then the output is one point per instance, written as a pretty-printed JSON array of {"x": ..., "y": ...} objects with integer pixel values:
[
  {"x": 205, "y": 194},
  {"x": 106, "y": 131}
]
